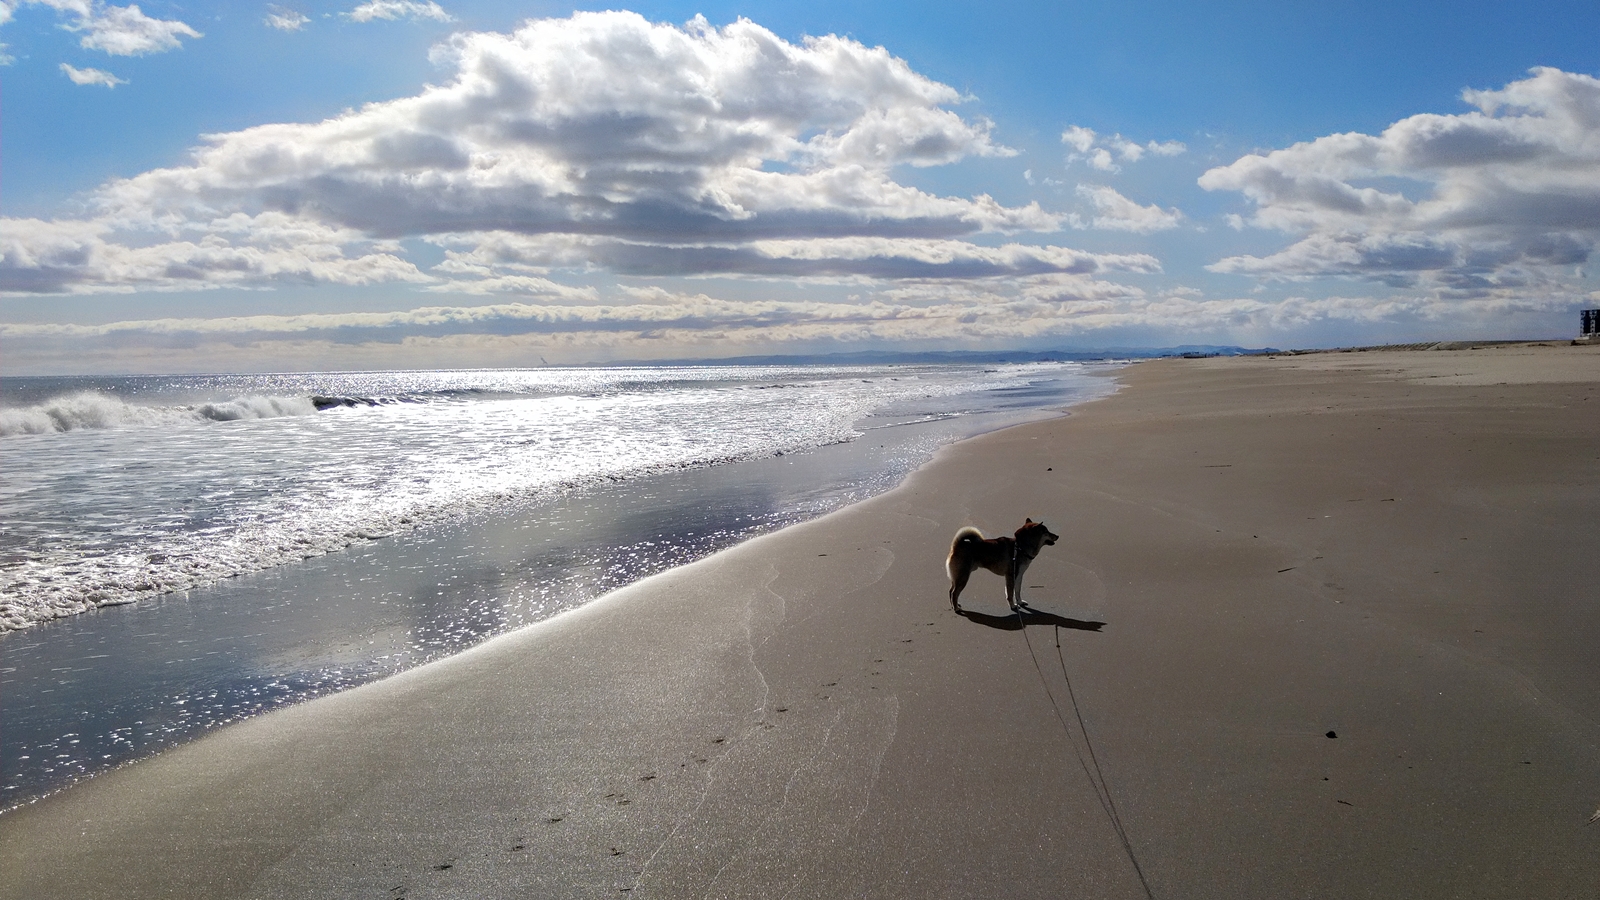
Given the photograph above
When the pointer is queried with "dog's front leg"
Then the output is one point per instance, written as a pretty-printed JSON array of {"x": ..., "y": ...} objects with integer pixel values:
[{"x": 1014, "y": 585}]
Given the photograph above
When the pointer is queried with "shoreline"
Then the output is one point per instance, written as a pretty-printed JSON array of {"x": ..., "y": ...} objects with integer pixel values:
[
  {"x": 92, "y": 693},
  {"x": 49, "y": 586},
  {"x": 1273, "y": 667}
]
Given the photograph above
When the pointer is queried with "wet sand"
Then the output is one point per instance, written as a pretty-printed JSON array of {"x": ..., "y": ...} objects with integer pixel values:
[{"x": 1329, "y": 622}]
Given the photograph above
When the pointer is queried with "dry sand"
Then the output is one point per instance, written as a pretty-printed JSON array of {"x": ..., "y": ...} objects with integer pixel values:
[{"x": 1349, "y": 650}]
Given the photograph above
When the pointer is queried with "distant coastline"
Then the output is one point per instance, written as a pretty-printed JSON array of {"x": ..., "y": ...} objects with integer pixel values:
[{"x": 926, "y": 357}]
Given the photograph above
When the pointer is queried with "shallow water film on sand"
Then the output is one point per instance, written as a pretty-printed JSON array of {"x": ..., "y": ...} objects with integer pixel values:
[{"x": 243, "y": 542}]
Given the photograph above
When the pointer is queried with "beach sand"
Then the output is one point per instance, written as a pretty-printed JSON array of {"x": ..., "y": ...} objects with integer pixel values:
[{"x": 1329, "y": 621}]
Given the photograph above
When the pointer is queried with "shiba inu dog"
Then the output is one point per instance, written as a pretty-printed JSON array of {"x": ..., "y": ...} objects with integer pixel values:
[{"x": 1005, "y": 556}]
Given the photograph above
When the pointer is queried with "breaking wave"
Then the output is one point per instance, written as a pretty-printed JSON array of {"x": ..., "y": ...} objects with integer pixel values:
[{"x": 90, "y": 410}]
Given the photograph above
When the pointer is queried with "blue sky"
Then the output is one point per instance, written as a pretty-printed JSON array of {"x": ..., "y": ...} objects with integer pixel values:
[{"x": 391, "y": 183}]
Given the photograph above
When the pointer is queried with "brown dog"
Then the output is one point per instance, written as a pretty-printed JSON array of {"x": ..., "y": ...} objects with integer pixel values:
[{"x": 1005, "y": 556}]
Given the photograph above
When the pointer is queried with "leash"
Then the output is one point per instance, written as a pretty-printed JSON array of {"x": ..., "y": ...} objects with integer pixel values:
[{"x": 1097, "y": 777}]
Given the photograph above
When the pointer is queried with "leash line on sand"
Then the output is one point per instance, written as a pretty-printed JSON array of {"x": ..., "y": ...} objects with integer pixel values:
[
  {"x": 1097, "y": 777},
  {"x": 1122, "y": 832}
]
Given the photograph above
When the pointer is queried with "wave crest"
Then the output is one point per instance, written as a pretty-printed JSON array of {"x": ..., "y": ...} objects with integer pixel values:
[
  {"x": 255, "y": 408},
  {"x": 91, "y": 410}
]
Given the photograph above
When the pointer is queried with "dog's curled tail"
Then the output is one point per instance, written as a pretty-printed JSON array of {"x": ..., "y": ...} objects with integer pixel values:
[{"x": 965, "y": 535}]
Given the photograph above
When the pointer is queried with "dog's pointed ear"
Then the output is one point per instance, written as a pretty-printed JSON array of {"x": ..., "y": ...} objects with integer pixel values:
[{"x": 1027, "y": 521}]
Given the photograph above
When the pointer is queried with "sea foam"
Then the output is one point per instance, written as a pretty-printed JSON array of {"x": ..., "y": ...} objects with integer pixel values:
[{"x": 91, "y": 410}]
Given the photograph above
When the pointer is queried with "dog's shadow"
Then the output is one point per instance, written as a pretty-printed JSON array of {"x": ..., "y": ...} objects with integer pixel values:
[{"x": 1019, "y": 620}]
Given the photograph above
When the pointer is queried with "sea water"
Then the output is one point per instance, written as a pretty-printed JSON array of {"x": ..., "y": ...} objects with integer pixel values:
[{"x": 181, "y": 552}]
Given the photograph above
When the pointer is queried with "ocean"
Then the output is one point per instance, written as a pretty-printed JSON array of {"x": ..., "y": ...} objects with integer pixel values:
[{"x": 180, "y": 552}]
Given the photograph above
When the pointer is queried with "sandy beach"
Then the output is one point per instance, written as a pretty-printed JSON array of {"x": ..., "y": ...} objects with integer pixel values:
[{"x": 1317, "y": 626}]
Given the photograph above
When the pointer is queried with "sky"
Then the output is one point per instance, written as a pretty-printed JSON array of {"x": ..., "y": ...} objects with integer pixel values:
[{"x": 204, "y": 187}]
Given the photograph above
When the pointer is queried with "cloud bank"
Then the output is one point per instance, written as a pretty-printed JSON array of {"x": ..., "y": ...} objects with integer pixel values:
[
  {"x": 601, "y": 141},
  {"x": 642, "y": 323},
  {"x": 1503, "y": 200},
  {"x": 655, "y": 323}
]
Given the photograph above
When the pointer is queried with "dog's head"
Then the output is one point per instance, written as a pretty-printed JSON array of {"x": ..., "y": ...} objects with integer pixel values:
[{"x": 1035, "y": 535}]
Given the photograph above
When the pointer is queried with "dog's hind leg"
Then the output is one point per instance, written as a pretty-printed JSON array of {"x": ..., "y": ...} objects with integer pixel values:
[{"x": 958, "y": 581}]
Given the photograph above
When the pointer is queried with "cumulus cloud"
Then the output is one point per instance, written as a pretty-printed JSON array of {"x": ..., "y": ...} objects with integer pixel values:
[
  {"x": 1101, "y": 152},
  {"x": 1115, "y": 212},
  {"x": 285, "y": 19},
  {"x": 398, "y": 9},
  {"x": 1079, "y": 138},
  {"x": 597, "y": 141},
  {"x": 1501, "y": 199},
  {"x": 605, "y": 123},
  {"x": 91, "y": 76},
  {"x": 117, "y": 30}
]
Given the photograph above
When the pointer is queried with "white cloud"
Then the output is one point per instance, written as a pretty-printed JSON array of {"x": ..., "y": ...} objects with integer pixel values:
[
  {"x": 651, "y": 321},
  {"x": 117, "y": 30},
  {"x": 285, "y": 19},
  {"x": 1115, "y": 212},
  {"x": 1079, "y": 138},
  {"x": 862, "y": 257},
  {"x": 7, "y": 10},
  {"x": 91, "y": 76},
  {"x": 1167, "y": 148},
  {"x": 1501, "y": 200},
  {"x": 1101, "y": 152},
  {"x": 597, "y": 141},
  {"x": 79, "y": 257},
  {"x": 398, "y": 9},
  {"x": 1045, "y": 307},
  {"x": 125, "y": 31}
]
